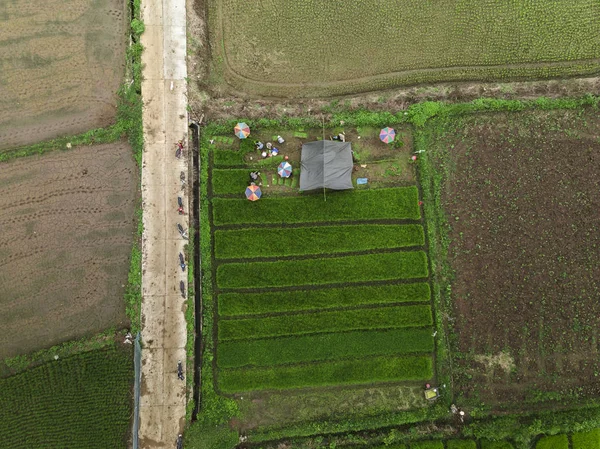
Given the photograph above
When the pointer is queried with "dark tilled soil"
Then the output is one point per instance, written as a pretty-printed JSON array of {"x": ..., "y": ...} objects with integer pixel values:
[
  {"x": 521, "y": 199},
  {"x": 66, "y": 231}
]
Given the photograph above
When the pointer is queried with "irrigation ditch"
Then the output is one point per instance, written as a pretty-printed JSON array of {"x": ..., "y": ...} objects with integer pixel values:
[{"x": 194, "y": 179}]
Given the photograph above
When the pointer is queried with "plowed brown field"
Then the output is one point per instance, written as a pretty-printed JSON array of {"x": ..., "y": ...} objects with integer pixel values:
[
  {"x": 61, "y": 63},
  {"x": 66, "y": 232}
]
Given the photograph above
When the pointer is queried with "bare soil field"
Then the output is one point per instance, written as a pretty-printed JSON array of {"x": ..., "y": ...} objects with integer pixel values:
[
  {"x": 67, "y": 221},
  {"x": 61, "y": 63},
  {"x": 520, "y": 193}
]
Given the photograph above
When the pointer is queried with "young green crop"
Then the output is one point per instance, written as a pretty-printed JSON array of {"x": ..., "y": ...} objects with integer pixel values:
[
  {"x": 339, "y": 320},
  {"x": 392, "y": 203},
  {"x": 231, "y": 304},
  {"x": 231, "y": 181},
  {"x": 554, "y": 442},
  {"x": 82, "y": 401},
  {"x": 461, "y": 444},
  {"x": 307, "y": 348},
  {"x": 586, "y": 440},
  {"x": 436, "y": 444},
  {"x": 366, "y": 267},
  {"x": 242, "y": 243},
  {"x": 348, "y": 372}
]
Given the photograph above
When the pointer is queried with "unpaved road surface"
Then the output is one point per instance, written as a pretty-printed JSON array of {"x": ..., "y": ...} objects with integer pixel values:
[{"x": 163, "y": 395}]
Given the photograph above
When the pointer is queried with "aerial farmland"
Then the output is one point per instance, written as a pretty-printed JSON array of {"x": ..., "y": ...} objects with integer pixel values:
[{"x": 319, "y": 224}]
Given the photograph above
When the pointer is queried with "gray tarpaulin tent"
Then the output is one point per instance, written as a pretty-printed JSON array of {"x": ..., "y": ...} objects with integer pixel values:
[{"x": 326, "y": 164}]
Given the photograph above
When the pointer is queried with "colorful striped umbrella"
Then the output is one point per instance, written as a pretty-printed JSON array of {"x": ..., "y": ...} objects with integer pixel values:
[
  {"x": 241, "y": 130},
  {"x": 284, "y": 170},
  {"x": 387, "y": 135},
  {"x": 253, "y": 192}
]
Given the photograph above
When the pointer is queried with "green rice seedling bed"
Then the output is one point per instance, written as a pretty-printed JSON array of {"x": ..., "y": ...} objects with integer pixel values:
[
  {"x": 232, "y": 304},
  {"x": 348, "y": 372},
  {"x": 340, "y": 320},
  {"x": 307, "y": 348},
  {"x": 392, "y": 203},
  {"x": 241, "y": 243},
  {"x": 436, "y": 444},
  {"x": 586, "y": 440},
  {"x": 284, "y": 273},
  {"x": 553, "y": 442},
  {"x": 230, "y": 181},
  {"x": 82, "y": 401},
  {"x": 461, "y": 444}
]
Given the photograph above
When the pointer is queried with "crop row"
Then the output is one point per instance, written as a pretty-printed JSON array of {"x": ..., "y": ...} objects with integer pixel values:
[
  {"x": 392, "y": 203},
  {"x": 320, "y": 322},
  {"x": 308, "y": 348},
  {"x": 234, "y": 303},
  {"x": 284, "y": 273},
  {"x": 81, "y": 401},
  {"x": 347, "y": 372},
  {"x": 241, "y": 243}
]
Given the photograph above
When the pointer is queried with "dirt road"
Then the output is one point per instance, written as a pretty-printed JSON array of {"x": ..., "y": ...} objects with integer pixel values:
[{"x": 163, "y": 399}]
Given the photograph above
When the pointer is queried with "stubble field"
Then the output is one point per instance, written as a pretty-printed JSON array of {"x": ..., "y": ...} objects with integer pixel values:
[
  {"x": 67, "y": 221},
  {"x": 61, "y": 63},
  {"x": 520, "y": 192},
  {"x": 285, "y": 49}
]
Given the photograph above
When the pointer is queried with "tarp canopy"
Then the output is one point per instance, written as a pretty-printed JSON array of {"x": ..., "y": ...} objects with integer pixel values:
[{"x": 326, "y": 164}]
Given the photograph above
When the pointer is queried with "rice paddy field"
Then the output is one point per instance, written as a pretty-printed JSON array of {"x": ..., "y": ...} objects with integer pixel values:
[
  {"x": 316, "y": 296},
  {"x": 81, "y": 401},
  {"x": 255, "y": 50}
]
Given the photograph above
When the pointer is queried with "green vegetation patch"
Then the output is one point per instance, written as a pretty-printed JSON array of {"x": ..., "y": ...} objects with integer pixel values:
[
  {"x": 488, "y": 444},
  {"x": 82, "y": 401},
  {"x": 230, "y": 181},
  {"x": 240, "y": 243},
  {"x": 461, "y": 444},
  {"x": 586, "y": 440},
  {"x": 285, "y": 273},
  {"x": 348, "y": 372},
  {"x": 553, "y": 442},
  {"x": 427, "y": 445},
  {"x": 306, "y": 348},
  {"x": 392, "y": 203},
  {"x": 231, "y": 304},
  {"x": 381, "y": 318}
]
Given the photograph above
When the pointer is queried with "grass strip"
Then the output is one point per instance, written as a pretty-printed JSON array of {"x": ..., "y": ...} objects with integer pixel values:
[
  {"x": 348, "y": 372},
  {"x": 240, "y": 243},
  {"x": 392, "y": 203},
  {"x": 284, "y": 273},
  {"x": 340, "y": 320},
  {"x": 307, "y": 348},
  {"x": 232, "y": 304}
]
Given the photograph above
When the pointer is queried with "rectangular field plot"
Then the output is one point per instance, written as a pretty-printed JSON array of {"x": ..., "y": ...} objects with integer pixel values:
[
  {"x": 61, "y": 64},
  {"x": 66, "y": 231},
  {"x": 284, "y": 350},
  {"x": 243, "y": 243},
  {"x": 341, "y": 320},
  {"x": 408, "y": 42},
  {"x": 367, "y": 267},
  {"x": 393, "y": 203},
  {"x": 83, "y": 401},
  {"x": 231, "y": 304},
  {"x": 348, "y": 372},
  {"x": 523, "y": 201}
]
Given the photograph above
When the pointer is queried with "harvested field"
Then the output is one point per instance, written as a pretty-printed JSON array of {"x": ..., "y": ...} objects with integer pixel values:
[
  {"x": 520, "y": 192},
  {"x": 67, "y": 221},
  {"x": 61, "y": 65},
  {"x": 282, "y": 49}
]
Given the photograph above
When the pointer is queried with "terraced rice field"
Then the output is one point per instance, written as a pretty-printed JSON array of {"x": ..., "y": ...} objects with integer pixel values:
[
  {"x": 255, "y": 46},
  {"x": 313, "y": 293}
]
